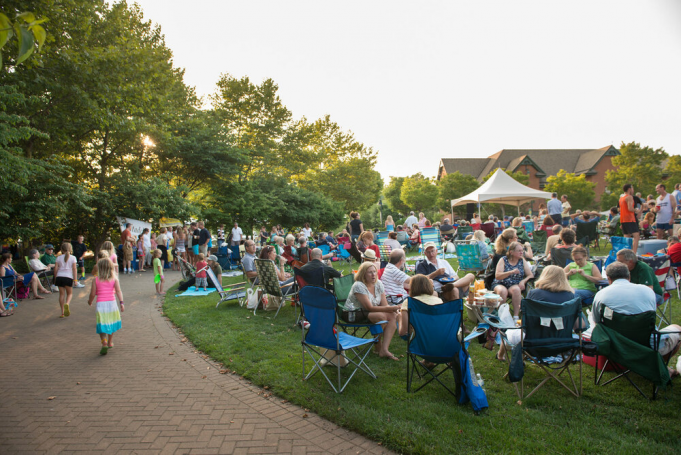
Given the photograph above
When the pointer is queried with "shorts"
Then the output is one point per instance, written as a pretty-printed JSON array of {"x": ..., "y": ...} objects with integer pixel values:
[
  {"x": 201, "y": 282},
  {"x": 203, "y": 249},
  {"x": 668, "y": 341},
  {"x": 630, "y": 228},
  {"x": 63, "y": 282},
  {"x": 127, "y": 254},
  {"x": 665, "y": 226},
  {"x": 558, "y": 218},
  {"x": 195, "y": 249},
  {"x": 180, "y": 249},
  {"x": 80, "y": 262}
]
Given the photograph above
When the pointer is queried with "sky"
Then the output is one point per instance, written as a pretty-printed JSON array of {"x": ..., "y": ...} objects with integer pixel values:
[{"x": 420, "y": 81}]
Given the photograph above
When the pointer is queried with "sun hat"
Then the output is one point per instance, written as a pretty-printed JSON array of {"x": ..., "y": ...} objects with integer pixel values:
[
  {"x": 369, "y": 254},
  {"x": 213, "y": 258}
]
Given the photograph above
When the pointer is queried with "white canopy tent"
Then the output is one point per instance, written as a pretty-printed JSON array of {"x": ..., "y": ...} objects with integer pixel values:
[{"x": 501, "y": 189}]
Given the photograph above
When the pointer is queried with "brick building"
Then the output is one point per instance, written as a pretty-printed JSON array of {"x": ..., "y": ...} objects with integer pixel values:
[{"x": 538, "y": 164}]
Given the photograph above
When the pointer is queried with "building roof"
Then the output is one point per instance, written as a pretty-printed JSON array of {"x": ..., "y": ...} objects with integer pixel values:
[{"x": 546, "y": 161}]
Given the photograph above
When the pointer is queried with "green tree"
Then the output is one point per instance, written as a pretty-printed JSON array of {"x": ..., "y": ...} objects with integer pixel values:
[
  {"x": 453, "y": 186},
  {"x": 393, "y": 193},
  {"x": 419, "y": 192},
  {"x": 26, "y": 30},
  {"x": 673, "y": 171},
  {"x": 640, "y": 166},
  {"x": 580, "y": 192}
]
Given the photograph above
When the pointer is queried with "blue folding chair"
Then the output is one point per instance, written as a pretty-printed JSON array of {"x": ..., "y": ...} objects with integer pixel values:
[
  {"x": 432, "y": 234},
  {"x": 529, "y": 226},
  {"x": 618, "y": 243},
  {"x": 435, "y": 340},
  {"x": 319, "y": 309},
  {"x": 468, "y": 255}
]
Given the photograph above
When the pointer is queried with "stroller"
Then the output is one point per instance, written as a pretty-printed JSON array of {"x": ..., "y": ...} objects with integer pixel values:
[{"x": 186, "y": 268}]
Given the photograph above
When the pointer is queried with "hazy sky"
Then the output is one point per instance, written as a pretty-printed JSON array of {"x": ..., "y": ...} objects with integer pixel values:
[{"x": 419, "y": 81}]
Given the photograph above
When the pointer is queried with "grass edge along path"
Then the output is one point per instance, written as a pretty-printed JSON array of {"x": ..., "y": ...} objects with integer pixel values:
[{"x": 267, "y": 352}]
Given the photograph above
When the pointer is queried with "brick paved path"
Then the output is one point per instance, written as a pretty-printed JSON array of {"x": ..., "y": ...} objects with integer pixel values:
[{"x": 151, "y": 394}]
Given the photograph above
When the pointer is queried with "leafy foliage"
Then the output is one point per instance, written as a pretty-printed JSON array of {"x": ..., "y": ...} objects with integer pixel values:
[
  {"x": 453, "y": 186},
  {"x": 640, "y": 166},
  {"x": 419, "y": 192},
  {"x": 393, "y": 194},
  {"x": 580, "y": 191},
  {"x": 26, "y": 30}
]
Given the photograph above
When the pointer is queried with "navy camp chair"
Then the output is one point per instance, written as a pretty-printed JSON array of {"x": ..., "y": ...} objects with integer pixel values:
[
  {"x": 319, "y": 309},
  {"x": 435, "y": 340}
]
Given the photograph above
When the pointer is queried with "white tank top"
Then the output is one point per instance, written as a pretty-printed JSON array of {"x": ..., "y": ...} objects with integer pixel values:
[{"x": 664, "y": 214}]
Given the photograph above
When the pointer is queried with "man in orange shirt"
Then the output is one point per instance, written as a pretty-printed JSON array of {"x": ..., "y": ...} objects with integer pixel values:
[{"x": 628, "y": 215}]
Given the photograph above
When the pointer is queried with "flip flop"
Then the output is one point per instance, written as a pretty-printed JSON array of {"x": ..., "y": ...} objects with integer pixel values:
[
  {"x": 62, "y": 316},
  {"x": 67, "y": 311},
  {"x": 390, "y": 357},
  {"x": 103, "y": 351}
]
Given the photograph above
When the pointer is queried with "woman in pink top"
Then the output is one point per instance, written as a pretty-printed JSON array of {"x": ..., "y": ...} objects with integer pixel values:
[{"x": 105, "y": 288}]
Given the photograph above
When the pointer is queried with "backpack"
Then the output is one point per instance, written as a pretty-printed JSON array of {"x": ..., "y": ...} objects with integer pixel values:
[{"x": 22, "y": 291}]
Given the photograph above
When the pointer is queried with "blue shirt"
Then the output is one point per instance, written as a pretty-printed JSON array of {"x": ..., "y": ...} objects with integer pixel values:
[
  {"x": 555, "y": 207},
  {"x": 594, "y": 219}
]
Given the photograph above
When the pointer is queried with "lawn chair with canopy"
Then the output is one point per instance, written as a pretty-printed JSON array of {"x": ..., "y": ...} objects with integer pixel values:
[
  {"x": 547, "y": 333},
  {"x": 319, "y": 309},
  {"x": 625, "y": 341},
  {"x": 269, "y": 283},
  {"x": 435, "y": 329},
  {"x": 588, "y": 231}
]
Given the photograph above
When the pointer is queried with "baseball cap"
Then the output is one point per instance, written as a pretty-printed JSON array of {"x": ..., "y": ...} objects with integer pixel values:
[
  {"x": 428, "y": 245},
  {"x": 213, "y": 258},
  {"x": 49, "y": 246}
]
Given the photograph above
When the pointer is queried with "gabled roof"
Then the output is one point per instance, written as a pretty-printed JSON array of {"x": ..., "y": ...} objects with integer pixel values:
[{"x": 545, "y": 161}]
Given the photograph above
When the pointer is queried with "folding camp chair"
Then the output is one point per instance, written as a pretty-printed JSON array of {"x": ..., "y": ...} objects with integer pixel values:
[
  {"x": 529, "y": 226},
  {"x": 588, "y": 230},
  {"x": 488, "y": 229},
  {"x": 625, "y": 341},
  {"x": 230, "y": 293},
  {"x": 41, "y": 274},
  {"x": 547, "y": 333},
  {"x": 463, "y": 232},
  {"x": 269, "y": 283},
  {"x": 522, "y": 235},
  {"x": 618, "y": 243},
  {"x": 435, "y": 339},
  {"x": 9, "y": 287},
  {"x": 432, "y": 234},
  {"x": 385, "y": 252},
  {"x": 538, "y": 243},
  {"x": 381, "y": 237},
  {"x": 561, "y": 256},
  {"x": 319, "y": 309},
  {"x": 661, "y": 265},
  {"x": 469, "y": 258},
  {"x": 341, "y": 288}
]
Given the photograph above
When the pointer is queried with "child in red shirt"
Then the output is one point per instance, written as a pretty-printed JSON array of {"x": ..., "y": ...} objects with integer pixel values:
[{"x": 201, "y": 275}]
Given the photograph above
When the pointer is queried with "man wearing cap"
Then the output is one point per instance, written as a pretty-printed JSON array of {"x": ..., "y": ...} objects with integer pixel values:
[
  {"x": 434, "y": 268},
  {"x": 48, "y": 258}
]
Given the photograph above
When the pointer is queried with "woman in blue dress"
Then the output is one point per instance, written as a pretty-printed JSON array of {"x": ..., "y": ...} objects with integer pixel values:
[{"x": 30, "y": 280}]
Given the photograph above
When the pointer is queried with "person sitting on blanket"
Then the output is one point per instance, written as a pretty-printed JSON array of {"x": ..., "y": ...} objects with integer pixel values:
[
  {"x": 316, "y": 263},
  {"x": 438, "y": 269},
  {"x": 641, "y": 273},
  {"x": 625, "y": 297},
  {"x": 394, "y": 280}
]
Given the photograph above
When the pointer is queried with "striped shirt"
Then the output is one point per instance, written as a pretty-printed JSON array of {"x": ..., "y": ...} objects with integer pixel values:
[{"x": 393, "y": 280}]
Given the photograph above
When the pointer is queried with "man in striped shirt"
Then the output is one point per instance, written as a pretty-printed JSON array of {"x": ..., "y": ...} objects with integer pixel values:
[{"x": 395, "y": 281}]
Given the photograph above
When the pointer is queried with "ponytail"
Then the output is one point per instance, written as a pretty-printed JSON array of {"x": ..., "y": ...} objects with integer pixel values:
[{"x": 66, "y": 250}]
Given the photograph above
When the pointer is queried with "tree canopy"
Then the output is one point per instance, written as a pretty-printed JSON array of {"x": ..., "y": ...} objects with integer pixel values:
[{"x": 580, "y": 192}]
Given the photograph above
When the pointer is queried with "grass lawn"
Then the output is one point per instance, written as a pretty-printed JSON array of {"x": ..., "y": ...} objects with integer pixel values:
[{"x": 267, "y": 351}]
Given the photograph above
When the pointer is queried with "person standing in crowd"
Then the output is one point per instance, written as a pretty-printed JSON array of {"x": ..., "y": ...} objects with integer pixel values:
[
  {"x": 146, "y": 244},
  {"x": 422, "y": 221},
  {"x": 628, "y": 215},
  {"x": 221, "y": 235},
  {"x": 140, "y": 254},
  {"x": 410, "y": 221},
  {"x": 306, "y": 231},
  {"x": 128, "y": 241},
  {"x": 565, "y": 214},
  {"x": 190, "y": 242},
  {"x": 555, "y": 209},
  {"x": 162, "y": 244},
  {"x": 237, "y": 233},
  {"x": 65, "y": 273},
  {"x": 389, "y": 223},
  {"x": 196, "y": 233},
  {"x": 665, "y": 205},
  {"x": 204, "y": 238},
  {"x": 79, "y": 250},
  {"x": 355, "y": 226},
  {"x": 105, "y": 288},
  {"x": 677, "y": 194},
  {"x": 201, "y": 275},
  {"x": 180, "y": 243},
  {"x": 264, "y": 236}
]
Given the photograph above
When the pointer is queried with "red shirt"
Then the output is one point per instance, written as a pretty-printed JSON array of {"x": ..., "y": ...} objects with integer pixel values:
[
  {"x": 124, "y": 236},
  {"x": 674, "y": 253}
]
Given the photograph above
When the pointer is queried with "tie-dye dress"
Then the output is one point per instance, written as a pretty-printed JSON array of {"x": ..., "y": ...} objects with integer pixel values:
[{"x": 108, "y": 315}]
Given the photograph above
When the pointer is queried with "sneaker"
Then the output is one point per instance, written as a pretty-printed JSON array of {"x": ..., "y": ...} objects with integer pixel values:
[
  {"x": 79, "y": 285},
  {"x": 81, "y": 278},
  {"x": 54, "y": 288}
]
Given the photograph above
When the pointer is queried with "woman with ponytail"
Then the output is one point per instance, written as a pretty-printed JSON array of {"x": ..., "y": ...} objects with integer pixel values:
[{"x": 65, "y": 271}]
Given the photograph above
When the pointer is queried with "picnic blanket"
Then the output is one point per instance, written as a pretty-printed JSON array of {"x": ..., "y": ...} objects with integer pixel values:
[
  {"x": 191, "y": 292},
  {"x": 231, "y": 274}
]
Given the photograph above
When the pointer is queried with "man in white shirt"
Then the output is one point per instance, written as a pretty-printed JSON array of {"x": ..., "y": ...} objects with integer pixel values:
[
  {"x": 434, "y": 268},
  {"x": 410, "y": 221},
  {"x": 237, "y": 233},
  {"x": 565, "y": 214},
  {"x": 395, "y": 281},
  {"x": 146, "y": 243},
  {"x": 624, "y": 297},
  {"x": 665, "y": 206}
]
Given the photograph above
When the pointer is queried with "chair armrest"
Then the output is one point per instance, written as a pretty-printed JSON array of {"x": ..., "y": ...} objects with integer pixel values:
[{"x": 343, "y": 324}]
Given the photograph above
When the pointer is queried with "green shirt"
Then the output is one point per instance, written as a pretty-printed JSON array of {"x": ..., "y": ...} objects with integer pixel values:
[
  {"x": 577, "y": 281},
  {"x": 643, "y": 274},
  {"x": 48, "y": 259},
  {"x": 158, "y": 266}
]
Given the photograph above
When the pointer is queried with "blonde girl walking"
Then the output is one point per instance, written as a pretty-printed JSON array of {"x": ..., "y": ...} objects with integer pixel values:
[
  {"x": 105, "y": 288},
  {"x": 65, "y": 271}
]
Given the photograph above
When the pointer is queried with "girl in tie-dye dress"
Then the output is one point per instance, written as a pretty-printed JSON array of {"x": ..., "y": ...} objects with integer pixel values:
[{"x": 106, "y": 288}]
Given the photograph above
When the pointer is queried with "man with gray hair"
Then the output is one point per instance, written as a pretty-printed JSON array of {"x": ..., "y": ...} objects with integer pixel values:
[
  {"x": 395, "y": 281},
  {"x": 315, "y": 263},
  {"x": 627, "y": 298},
  {"x": 410, "y": 221},
  {"x": 641, "y": 273}
]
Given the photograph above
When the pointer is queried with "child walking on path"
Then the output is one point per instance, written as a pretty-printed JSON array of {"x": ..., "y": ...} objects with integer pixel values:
[
  {"x": 65, "y": 274},
  {"x": 159, "y": 279},
  {"x": 104, "y": 287},
  {"x": 201, "y": 275}
]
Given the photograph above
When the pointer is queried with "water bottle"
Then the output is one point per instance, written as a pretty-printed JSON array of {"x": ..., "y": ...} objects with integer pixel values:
[
  {"x": 350, "y": 308},
  {"x": 481, "y": 382}
]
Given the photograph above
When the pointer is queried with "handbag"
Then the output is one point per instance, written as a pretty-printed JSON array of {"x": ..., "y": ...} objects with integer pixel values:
[
  {"x": 251, "y": 299},
  {"x": 516, "y": 369}
]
